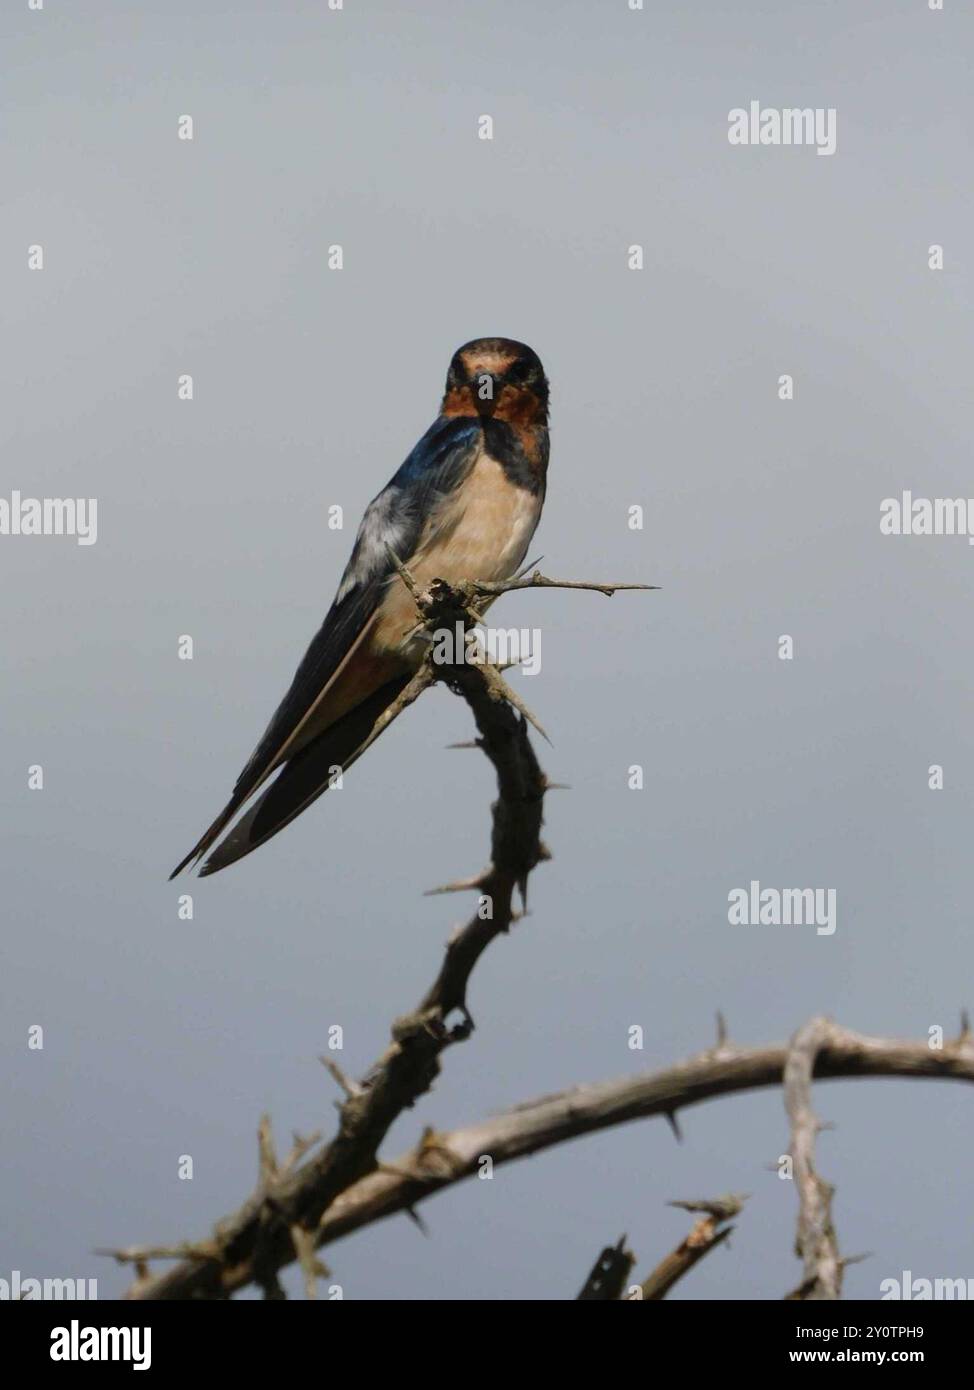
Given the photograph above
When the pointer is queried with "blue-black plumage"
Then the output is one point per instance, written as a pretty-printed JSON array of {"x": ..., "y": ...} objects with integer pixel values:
[{"x": 463, "y": 505}]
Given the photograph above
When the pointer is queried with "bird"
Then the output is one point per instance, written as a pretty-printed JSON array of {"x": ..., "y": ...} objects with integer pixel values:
[{"x": 464, "y": 505}]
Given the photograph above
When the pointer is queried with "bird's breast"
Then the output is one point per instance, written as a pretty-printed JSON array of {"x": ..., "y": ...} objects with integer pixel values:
[{"x": 481, "y": 531}]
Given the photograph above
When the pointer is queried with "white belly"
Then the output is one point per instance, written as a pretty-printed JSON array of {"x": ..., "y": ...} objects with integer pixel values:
[{"x": 482, "y": 534}]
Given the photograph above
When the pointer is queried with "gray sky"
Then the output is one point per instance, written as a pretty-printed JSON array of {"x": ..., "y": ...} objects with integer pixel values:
[{"x": 164, "y": 1037}]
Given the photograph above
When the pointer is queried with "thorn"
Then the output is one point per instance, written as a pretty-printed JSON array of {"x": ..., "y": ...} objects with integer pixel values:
[
  {"x": 265, "y": 1149},
  {"x": 558, "y": 786},
  {"x": 522, "y": 572},
  {"x": 856, "y": 1259},
  {"x": 513, "y": 698},
  {"x": 417, "y": 1220},
  {"x": 473, "y": 743},
  {"x": 299, "y": 1147},
  {"x": 349, "y": 1087},
  {"x": 674, "y": 1124},
  {"x": 721, "y": 1029},
  {"x": 120, "y": 1256},
  {"x": 965, "y": 1026},
  {"x": 460, "y": 885}
]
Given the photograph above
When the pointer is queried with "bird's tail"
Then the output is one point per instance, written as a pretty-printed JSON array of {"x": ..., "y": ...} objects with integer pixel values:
[
  {"x": 300, "y": 781},
  {"x": 210, "y": 835}
]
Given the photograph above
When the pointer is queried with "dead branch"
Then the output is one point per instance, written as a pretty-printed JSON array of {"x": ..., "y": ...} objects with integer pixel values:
[
  {"x": 440, "y": 1160},
  {"x": 540, "y": 1124},
  {"x": 299, "y": 1206},
  {"x": 706, "y": 1235},
  {"x": 269, "y": 1230},
  {"x": 538, "y": 581},
  {"x": 816, "y": 1244}
]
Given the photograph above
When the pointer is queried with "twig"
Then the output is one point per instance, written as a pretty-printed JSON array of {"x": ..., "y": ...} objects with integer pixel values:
[
  {"x": 706, "y": 1235},
  {"x": 538, "y": 581}
]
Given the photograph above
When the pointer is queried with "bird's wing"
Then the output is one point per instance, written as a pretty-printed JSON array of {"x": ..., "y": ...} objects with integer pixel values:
[
  {"x": 397, "y": 518},
  {"x": 303, "y": 778}
]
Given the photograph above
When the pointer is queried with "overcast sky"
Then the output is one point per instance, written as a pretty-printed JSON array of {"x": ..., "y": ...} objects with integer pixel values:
[{"x": 161, "y": 257}]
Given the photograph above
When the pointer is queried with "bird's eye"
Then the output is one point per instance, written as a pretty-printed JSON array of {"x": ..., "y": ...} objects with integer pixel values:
[{"x": 519, "y": 373}]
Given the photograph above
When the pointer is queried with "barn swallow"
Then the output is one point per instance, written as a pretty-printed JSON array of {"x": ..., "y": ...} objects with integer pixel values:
[{"x": 464, "y": 505}]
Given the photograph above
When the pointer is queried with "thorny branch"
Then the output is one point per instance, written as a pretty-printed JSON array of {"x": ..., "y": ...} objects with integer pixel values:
[
  {"x": 540, "y": 1124},
  {"x": 281, "y": 1221},
  {"x": 440, "y": 1160},
  {"x": 300, "y": 1206}
]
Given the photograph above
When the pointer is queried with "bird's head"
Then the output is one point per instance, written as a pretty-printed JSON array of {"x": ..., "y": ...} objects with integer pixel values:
[{"x": 500, "y": 379}]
